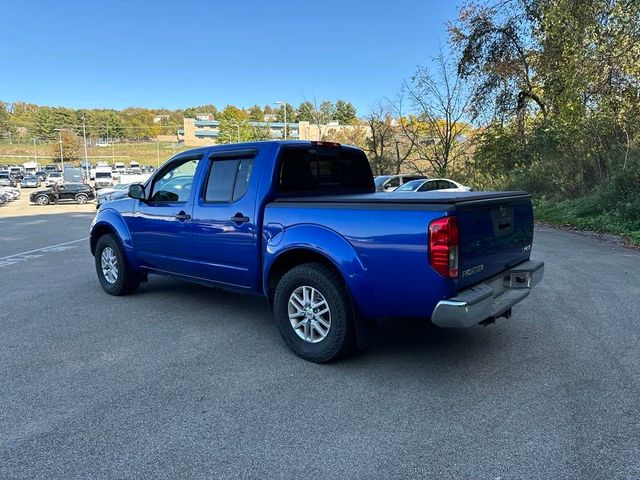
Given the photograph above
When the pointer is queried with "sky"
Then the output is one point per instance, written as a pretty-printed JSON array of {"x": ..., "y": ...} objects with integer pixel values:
[{"x": 161, "y": 54}]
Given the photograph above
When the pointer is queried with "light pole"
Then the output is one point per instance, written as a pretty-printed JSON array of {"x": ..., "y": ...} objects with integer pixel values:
[
  {"x": 35, "y": 151},
  {"x": 61, "y": 156},
  {"x": 60, "y": 130},
  {"x": 84, "y": 136},
  {"x": 284, "y": 105},
  {"x": 158, "y": 153}
]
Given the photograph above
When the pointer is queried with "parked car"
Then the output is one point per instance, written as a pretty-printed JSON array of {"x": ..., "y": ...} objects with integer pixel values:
[
  {"x": 6, "y": 180},
  {"x": 17, "y": 173},
  {"x": 69, "y": 192},
  {"x": 388, "y": 183},
  {"x": 121, "y": 190},
  {"x": 440, "y": 184},
  {"x": 30, "y": 181},
  {"x": 300, "y": 223},
  {"x": 41, "y": 174},
  {"x": 5, "y": 196},
  {"x": 11, "y": 192},
  {"x": 55, "y": 178}
]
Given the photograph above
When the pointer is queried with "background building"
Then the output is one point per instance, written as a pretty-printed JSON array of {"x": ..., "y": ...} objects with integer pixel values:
[{"x": 198, "y": 132}]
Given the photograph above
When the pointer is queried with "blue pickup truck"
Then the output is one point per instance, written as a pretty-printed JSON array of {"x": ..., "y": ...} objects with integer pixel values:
[{"x": 301, "y": 224}]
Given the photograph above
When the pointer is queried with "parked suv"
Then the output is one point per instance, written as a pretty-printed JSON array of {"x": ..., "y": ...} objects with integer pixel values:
[
  {"x": 388, "y": 183},
  {"x": 6, "y": 180},
  {"x": 54, "y": 178},
  {"x": 69, "y": 192}
]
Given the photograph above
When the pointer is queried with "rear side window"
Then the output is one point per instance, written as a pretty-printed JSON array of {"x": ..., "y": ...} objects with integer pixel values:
[
  {"x": 428, "y": 186},
  {"x": 324, "y": 169},
  {"x": 394, "y": 182},
  {"x": 228, "y": 179}
]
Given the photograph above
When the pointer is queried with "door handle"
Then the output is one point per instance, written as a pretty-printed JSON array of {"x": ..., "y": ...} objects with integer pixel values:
[
  {"x": 239, "y": 218},
  {"x": 182, "y": 216}
]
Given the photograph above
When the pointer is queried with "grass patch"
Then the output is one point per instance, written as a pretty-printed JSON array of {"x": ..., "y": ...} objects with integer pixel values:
[
  {"x": 621, "y": 217},
  {"x": 145, "y": 153}
]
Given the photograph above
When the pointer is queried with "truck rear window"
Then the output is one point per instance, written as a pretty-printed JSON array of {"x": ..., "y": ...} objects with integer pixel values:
[{"x": 320, "y": 169}]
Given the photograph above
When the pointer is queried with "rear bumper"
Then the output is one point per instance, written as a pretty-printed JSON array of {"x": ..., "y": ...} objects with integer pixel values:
[{"x": 490, "y": 299}]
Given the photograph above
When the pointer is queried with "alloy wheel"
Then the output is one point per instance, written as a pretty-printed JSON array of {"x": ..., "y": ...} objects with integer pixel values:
[
  {"x": 309, "y": 314},
  {"x": 109, "y": 264}
]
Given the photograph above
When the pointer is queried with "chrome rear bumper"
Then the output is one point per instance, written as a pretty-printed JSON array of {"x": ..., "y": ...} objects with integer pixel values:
[{"x": 490, "y": 299}]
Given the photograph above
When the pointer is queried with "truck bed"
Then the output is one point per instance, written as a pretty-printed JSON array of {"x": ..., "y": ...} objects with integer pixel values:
[{"x": 495, "y": 229}]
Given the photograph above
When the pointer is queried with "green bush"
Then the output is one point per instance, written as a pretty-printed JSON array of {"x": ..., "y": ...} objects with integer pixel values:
[{"x": 613, "y": 207}]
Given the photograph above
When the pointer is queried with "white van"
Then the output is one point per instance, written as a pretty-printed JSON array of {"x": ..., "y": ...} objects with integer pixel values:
[
  {"x": 119, "y": 167},
  {"x": 103, "y": 177},
  {"x": 30, "y": 167}
]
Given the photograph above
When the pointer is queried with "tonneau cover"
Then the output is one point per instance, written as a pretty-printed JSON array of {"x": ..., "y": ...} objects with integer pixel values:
[{"x": 403, "y": 198}]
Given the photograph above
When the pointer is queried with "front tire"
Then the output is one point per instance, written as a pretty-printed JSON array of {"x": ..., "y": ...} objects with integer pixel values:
[
  {"x": 114, "y": 273},
  {"x": 314, "y": 313},
  {"x": 81, "y": 198},
  {"x": 42, "y": 200}
]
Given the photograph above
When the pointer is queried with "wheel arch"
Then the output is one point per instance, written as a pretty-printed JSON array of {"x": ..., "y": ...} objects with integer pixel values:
[
  {"x": 291, "y": 258},
  {"x": 109, "y": 221},
  {"x": 309, "y": 243},
  {"x": 99, "y": 231}
]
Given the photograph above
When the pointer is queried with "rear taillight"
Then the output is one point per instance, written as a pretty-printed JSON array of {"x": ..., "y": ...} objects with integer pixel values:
[{"x": 443, "y": 246}]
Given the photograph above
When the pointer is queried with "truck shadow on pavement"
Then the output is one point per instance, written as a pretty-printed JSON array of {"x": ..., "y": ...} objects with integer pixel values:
[{"x": 408, "y": 340}]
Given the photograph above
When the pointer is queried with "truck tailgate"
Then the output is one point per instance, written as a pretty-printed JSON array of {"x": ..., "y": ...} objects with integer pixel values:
[{"x": 495, "y": 234}]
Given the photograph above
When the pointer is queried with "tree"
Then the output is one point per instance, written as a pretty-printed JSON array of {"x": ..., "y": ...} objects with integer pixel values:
[
  {"x": 190, "y": 112},
  {"x": 497, "y": 49},
  {"x": 326, "y": 112},
  {"x": 441, "y": 104},
  {"x": 70, "y": 147},
  {"x": 256, "y": 114},
  {"x": 345, "y": 113},
  {"x": 306, "y": 112},
  {"x": 208, "y": 108},
  {"x": 386, "y": 147},
  {"x": 235, "y": 126},
  {"x": 292, "y": 114},
  {"x": 319, "y": 116},
  {"x": 5, "y": 124},
  {"x": 560, "y": 81},
  {"x": 357, "y": 135},
  {"x": 137, "y": 123}
]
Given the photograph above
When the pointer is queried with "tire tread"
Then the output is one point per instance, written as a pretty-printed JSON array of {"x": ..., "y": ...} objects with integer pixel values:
[{"x": 333, "y": 285}]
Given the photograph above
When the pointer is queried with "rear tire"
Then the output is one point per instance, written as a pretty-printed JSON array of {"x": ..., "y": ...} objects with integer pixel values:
[
  {"x": 326, "y": 335},
  {"x": 114, "y": 273}
]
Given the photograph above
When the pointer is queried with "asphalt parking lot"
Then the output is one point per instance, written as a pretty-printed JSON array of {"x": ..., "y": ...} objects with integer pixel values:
[{"x": 181, "y": 381}]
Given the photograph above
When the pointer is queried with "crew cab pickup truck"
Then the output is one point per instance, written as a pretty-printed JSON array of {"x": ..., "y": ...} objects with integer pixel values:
[{"x": 301, "y": 224}]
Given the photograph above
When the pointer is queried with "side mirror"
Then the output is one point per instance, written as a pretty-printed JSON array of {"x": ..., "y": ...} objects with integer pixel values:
[{"x": 137, "y": 191}]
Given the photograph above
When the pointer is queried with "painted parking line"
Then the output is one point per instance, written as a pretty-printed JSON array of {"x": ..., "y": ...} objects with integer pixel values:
[{"x": 38, "y": 252}]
